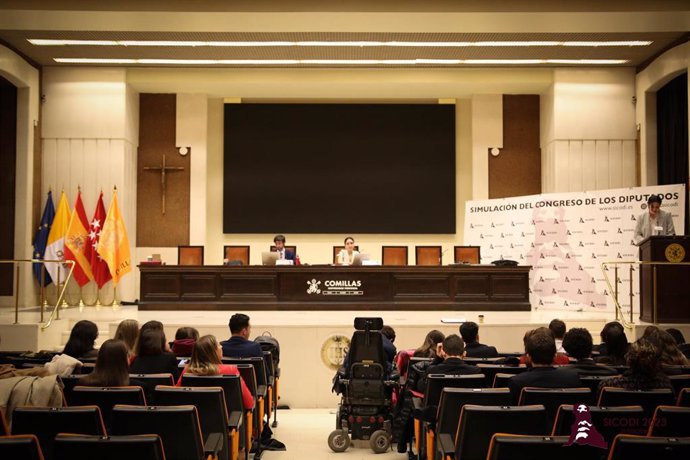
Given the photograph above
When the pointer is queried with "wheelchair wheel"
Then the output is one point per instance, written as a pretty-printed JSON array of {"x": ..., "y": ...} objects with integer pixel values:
[
  {"x": 339, "y": 440},
  {"x": 380, "y": 441}
]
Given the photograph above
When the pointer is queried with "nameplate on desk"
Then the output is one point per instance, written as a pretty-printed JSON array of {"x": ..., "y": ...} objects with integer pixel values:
[{"x": 284, "y": 262}]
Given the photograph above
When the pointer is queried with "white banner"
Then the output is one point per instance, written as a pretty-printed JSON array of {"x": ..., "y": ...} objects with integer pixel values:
[{"x": 565, "y": 237}]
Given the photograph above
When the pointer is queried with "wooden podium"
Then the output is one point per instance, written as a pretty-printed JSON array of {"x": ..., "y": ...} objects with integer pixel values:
[{"x": 665, "y": 289}]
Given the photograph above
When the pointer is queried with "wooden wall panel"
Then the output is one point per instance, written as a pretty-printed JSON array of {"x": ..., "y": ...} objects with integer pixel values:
[
  {"x": 157, "y": 114},
  {"x": 517, "y": 170}
]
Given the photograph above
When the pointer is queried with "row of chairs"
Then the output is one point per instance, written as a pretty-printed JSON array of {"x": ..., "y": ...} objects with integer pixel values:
[{"x": 390, "y": 255}]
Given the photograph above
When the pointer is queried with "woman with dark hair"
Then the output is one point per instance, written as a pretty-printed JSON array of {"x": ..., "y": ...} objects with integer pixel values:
[
  {"x": 127, "y": 331},
  {"x": 151, "y": 355},
  {"x": 645, "y": 371},
  {"x": 81, "y": 340},
  {"x": 111, "y": 366},
  {"x": 185, "y": 339},
  {"x": 347, "y": 256},
  {"x": 430, "y": 345},
  {"x": 206, "y": 360},
  {"x": 670, "y": 353},
  {"x": 615, "y": 345}
]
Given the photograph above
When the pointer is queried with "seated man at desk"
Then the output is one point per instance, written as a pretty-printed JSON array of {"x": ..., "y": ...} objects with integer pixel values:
[
  {"x": 347, "y": 256},
  {"x": 279, "y": 243},
  {"x": 653, "y": 222}
]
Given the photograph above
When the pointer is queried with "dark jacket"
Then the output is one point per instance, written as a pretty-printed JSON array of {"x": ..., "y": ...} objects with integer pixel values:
[
  {"x": 478, "y": 350},
  {"x": 239, "y": 347},
  {"x": 155, "y": 364},
  {"x": 448, "y": 366},
  {"x": 543, "y": 377}
]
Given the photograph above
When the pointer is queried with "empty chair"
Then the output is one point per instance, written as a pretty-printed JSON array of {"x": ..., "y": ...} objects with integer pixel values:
[
  {"x": 679, "y": 382},
  {"x": 647, "y": 399},
  {"x": 69, "y": 382},
  {"x": 236, "y": 255},
  {"x": 428, "y": 255},
  {"x": 467, "y": 254},
  {"x": 501, "y": 380},
  {"x": 670, "y": 421},
  {"x": 177, "y": 426},
  {"x": 630, "y": 447},
  {"x": 479, "y": 423},
  {"x": 260, "y": 376},
  {"x": 552, "y": 398},
  {"x": 46, "y": 422},
  {"x": 592, "y": 382},
  {"x": 149, "y": 382},
  {"x": 213, "y": 414},
  {"x": 190, "y": 255},
  {"x": 684, "y": 398},
  {"x": 451, "y": 403},
  {"x": 491, "y": 369},
  {"x": 521, "y": 447},
  {"x": 24, "y": 447},
  {"x": 609, "y": 421},
  {"x": 78, "y": 446},
  {"x": 394, "y": 255},
  {"x": 107, "y": 397}
]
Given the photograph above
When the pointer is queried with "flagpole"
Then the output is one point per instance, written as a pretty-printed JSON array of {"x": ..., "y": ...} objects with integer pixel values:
[{"x": 43, "y": 290}]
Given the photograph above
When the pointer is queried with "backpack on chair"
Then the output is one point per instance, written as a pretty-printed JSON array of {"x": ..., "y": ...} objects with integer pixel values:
[{"x": 269, "y": 343}]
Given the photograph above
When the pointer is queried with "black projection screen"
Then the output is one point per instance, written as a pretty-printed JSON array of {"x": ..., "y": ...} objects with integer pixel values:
[{"x": 339, "y": 168}]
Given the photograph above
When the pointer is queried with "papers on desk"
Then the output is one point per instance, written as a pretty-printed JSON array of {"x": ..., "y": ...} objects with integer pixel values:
[{"x": 457, "y": 320}]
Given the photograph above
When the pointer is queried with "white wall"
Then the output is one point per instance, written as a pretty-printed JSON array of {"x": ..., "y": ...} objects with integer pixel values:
[
  {"x": 588, "y": 130},
  {"x": 26, "y": 78}
]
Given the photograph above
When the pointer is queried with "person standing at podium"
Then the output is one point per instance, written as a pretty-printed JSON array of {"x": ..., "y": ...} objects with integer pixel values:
[
  {"x": 654, "y": 221},
  {"x": 347, "y": 256}
]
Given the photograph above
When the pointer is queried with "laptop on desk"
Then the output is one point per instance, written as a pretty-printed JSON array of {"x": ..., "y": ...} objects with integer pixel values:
[
  {"x": 359, "y": 258},
  {"x": 269, "y": 258}
]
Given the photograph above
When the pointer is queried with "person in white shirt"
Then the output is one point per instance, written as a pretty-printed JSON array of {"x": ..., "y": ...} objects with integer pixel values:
[
  {"x": 347, "y": 256},
  {"x": 653, "y": 222}
]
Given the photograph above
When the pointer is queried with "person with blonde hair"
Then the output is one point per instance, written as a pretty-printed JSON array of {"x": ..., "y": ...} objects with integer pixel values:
[
  {"x": 206, "y": 360},
  {"x": 127, "y": 331}
]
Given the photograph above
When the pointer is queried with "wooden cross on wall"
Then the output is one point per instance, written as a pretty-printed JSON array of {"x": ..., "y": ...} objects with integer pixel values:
[{"x": 163, "y": 169}]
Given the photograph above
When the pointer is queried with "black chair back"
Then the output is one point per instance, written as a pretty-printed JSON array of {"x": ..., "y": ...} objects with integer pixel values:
[
  {"x": 24, "y": 447},
  {"x": 490, "y": 370},
  {"x": 177, "y": 426},
  {"x": 520, "y": 447},
  {"x": 679, "y": 382},
  {"x": 454, "y": 399},
  {"x": 149, "y": 382},
  {"x": 684, "y": 398},
  {"x": 629, "y": 447},
  {"x": 609, "y": 421},
  {"x": 47, "y": 422},
  {"x": 69, "y": 382},
  {"x": 670, "y": 421},
  {"x": 73, "y": 446},
  {"x": 435, "y": 383},
  {"x": 552, "y": 398},
  {"x": 479, "y": 423},
  {"x": 106, "y": 398},
  {"x": 592, "y": 382},
  {"x": 649, "y": 399}
]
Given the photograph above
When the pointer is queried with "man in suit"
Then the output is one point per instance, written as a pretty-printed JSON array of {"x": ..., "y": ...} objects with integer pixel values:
[
  {"x": 473, "y": 349},
  {"x": 449, "y": 361},
  {"x": 577, "y": 342},
  {"x": 540, "y": 349},
  {"x": 653, "y": 222},
  {"x": 239, "y": 345},
  {"x": 279, "y": 243}
]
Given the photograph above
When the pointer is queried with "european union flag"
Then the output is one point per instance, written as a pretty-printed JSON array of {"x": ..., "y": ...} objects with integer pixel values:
[{"x": 41, "y": 239}]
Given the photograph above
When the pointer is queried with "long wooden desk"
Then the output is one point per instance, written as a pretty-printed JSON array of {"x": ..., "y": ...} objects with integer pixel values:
[{"x": 467, "y": 287}]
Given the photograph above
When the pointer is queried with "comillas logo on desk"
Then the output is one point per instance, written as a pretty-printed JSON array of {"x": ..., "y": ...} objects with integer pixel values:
[{"x": 334, "y": 287}]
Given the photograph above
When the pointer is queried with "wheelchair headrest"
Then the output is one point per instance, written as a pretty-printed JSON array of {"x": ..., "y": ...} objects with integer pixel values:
[{"x": 368, "y": 324}]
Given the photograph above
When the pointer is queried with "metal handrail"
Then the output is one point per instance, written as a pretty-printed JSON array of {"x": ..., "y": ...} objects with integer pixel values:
[
  {"x": 619, "y": 310},
  {"x": 61, "y": 295}
]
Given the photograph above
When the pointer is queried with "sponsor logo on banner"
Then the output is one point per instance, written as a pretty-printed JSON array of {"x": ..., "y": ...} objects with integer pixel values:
[
  {"x": 566, "y": 237},
  {"x": 335, "y": 287}
]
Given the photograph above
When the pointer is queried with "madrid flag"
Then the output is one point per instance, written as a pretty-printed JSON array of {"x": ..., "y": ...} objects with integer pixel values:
[
  {"x": 101, "y": 273},
  {"x": 113, "y": 245},
  {"x": 76, "y": 241},
  {"x": 56, "y": 241}
]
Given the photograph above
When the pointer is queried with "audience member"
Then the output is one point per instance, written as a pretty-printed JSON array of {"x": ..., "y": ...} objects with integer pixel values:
[
  {"x": 185, "y": 338},
  {"x": 473, "y": 349},
  {"x": 430, "y": 345},
  {"x": 670, "y": 353},
  {"x": 540, "y": 350},
  {"x": 111, "y": 368},
  {"x": 557, "y": 328},
  {"x": 614, "y": 345},
  {"x": 239, "y": 345},
  {"x": 127, "y": 331},
  {"x": 81, "y": 340},
  {"x": 645, "y": 371},
  {"x": 449, "y": 361},
  {"x": 578, "y": 344},
  {"x": 559, "y": 359},
  {"x": 206, "y": 360},
  {"x": 388, "y": 334},
  {"x": 680, "y": 341},
  {"x": 150, "y": 355}
]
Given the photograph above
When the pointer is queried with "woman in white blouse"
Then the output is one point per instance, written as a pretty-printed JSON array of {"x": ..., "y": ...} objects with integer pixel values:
[{"x": 347, "y": 255}]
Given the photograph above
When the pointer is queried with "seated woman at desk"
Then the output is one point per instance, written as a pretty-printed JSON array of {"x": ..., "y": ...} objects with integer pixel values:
[{"x": 347, "y": 256}]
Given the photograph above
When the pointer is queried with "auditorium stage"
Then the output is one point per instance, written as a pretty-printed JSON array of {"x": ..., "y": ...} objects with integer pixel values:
[{"x": 308, "y": 339}]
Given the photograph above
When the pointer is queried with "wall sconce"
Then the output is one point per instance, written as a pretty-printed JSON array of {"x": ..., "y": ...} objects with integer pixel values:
[
  {"x": 183, "y": 151},
  {"x": 495, "y": 151}
]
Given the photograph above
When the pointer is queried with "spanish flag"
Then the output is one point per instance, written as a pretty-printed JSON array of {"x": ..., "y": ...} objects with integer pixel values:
[
  {"x": 113, "y": 246},
  {"x": 55, "y": 249},
  {"x": 76, "y": 241}
]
